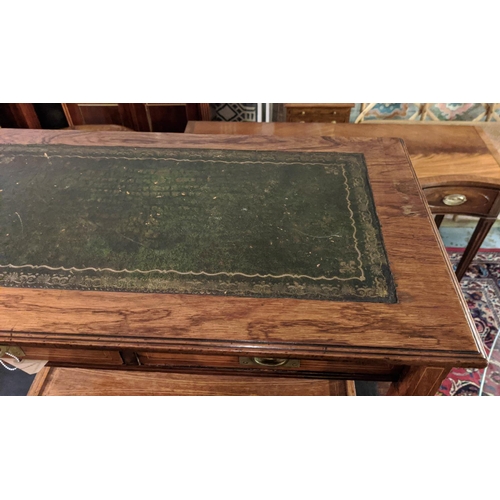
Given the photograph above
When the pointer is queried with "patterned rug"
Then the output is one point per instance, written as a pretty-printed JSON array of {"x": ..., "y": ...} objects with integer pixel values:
[{"x": 481, "y": 289}]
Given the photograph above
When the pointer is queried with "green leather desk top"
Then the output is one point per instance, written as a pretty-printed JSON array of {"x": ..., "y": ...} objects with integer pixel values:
[{"x": 217, "y": 222}]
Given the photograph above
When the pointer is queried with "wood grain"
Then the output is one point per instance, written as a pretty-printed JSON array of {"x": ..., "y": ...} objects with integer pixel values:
[
  {"x": 26, "y": 115},
  {"x": 451, "y": 151},
  {"x": 81, "y": 356},
  {"x": 479, "y": 202},
  {"x": 429, "y": 326},
  {"x": 419, "y": 381},
  {"x": 338, "y": 368},
  {"x": 490, "y": 134},
  {"x": 134, "y": 116},
  {"x": 141, "y": 117},
  {"x": 73, "y": 114},
  {"x": 85, "y": 382}
]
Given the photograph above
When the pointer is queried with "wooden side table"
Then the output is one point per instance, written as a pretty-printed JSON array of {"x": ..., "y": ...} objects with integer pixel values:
[
  {"x": 465, "y": 197},
  {"x": 88, "y": 314}
]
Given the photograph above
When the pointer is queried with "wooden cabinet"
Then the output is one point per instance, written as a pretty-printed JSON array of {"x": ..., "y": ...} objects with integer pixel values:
[
  {"x": 140, "y": 117},
  {"x": 318, "y": 112}
]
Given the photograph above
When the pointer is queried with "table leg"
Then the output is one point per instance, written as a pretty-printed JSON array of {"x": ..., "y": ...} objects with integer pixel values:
[
  {"x": 477, "y": 238},
  {"x": 438, "y": 219},
  {"x": 419, "y": 381}
]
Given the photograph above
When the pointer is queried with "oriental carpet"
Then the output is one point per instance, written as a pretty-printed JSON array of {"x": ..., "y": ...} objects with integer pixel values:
[{"x": 481, "y": 289}]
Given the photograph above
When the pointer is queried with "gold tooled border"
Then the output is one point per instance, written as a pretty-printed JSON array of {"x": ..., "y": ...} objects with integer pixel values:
[{"x": 376, "y": 256}]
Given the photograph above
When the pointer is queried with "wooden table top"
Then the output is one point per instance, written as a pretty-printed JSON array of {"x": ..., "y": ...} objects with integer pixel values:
[
  {"x": 430, "y": 324},
  {"x": 464, "y": 151}
]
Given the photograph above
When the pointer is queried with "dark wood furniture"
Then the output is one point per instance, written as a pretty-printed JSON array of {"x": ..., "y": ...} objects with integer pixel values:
[
  {"x": 318, "y": 112},
  {"x": 53, "y": 381},
  {"x": 142, "y": 117},
  {"x": 465, "y": 197},
  {"x": 18, "y": 116},
  {"x": 412, "y": 343},
  {"x": 448, "y": 160},
  {"x": 139, "y": 116}
]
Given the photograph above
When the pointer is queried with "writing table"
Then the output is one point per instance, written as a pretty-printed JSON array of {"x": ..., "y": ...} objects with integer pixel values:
[{"x": 226, "y": 255}]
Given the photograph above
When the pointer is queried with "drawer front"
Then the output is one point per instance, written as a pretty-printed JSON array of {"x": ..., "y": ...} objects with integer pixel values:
[
  {"x": 460, "y": 200},
  {"x": 253, "y": 365},
  {"x": 321, "y": 115},
  {"x": 73, "y": 356}
]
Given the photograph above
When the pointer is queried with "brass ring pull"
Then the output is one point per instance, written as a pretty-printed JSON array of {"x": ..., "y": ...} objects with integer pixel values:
[
  {"x": 454, "y": 200},
  {"x": 270, "y": 361}
]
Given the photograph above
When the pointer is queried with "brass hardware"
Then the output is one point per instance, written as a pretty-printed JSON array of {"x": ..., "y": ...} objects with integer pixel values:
[
  {"x": 269, "y": 362},
  {"x": 454, "y": 200},
  {"x": 15, "y": 351}
]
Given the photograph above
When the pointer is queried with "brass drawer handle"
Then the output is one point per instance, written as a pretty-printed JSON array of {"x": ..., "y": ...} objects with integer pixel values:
[
  {"x": 269, "y": 362},
  {"x": 454, "y": 200}
]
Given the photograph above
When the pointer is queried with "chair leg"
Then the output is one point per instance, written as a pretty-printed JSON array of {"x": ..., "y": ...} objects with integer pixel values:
[
  {"x": 477, "y": 238},
  {"x": 438, "y": 219}
]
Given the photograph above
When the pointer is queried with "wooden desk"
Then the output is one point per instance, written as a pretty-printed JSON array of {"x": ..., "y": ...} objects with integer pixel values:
[{"x": 412, "y": 342}]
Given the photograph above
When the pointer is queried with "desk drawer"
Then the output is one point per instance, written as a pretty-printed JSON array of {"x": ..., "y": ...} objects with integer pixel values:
[
  {"x": 245, "y": 364},
  {"x": 73, "y": 356},
  {"x": 316, "y": 114},
  {"x": 464, "y": 200}
]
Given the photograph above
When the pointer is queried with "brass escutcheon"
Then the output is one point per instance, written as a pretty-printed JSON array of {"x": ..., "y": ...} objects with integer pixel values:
[{"x": 454, "y": 200}]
